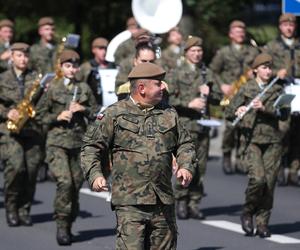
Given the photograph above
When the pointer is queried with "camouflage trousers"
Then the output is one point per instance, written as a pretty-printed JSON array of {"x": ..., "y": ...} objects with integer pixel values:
[
  {"x": 263, "y": 162},
  {"x": 146, "y": 227},
  {"x": 21, "y": 158},
  {"x": 64, "y": 165},
  {"x": 194, "y": 192},
  {"x": 229, "y": 138}
]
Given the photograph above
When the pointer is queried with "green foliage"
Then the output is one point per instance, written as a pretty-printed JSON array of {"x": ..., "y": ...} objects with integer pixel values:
[{"x": 264, "y": 33}]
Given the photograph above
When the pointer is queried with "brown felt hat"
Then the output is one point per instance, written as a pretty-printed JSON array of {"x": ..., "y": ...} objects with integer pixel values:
[
  {"x": 6, "y": 23},
  {"x": 45, "y": 21},
  {"x": 24, "y": 47},
  {"x": 69, "y": 55},
  {"x": 99, "y": 42},
  {"x": 193, "y": 41},
  {"x": 147, "y": 71},
  {"x": 237, "y": 23},
  {"x": 261, "y": 59},
  {"x": 287, "y": 17},
  {"x": 131, "y": 22}
]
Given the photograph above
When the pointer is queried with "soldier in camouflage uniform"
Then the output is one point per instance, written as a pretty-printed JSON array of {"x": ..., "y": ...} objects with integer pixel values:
[
  {"x": 89, "y": 71},
  {"x": 285, "y": 50},
  {"x": 142, "y": 134},
  {"x": 67, "y": 106},
  {"x": 189, "y": 94},
  {"x": 229, "y": 63},
  {"x": 42, "y": 54},
  {"x": 6, "y": 35},
  {"x": 20, "y": 152},
  {"x": 262, "y": 140}
]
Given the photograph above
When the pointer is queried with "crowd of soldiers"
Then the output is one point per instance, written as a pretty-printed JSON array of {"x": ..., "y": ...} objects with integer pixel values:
[{"x": 265, "y": 141}]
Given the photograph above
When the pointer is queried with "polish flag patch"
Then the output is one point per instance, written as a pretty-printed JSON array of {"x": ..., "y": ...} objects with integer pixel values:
[{"x": 100, "y": 117}]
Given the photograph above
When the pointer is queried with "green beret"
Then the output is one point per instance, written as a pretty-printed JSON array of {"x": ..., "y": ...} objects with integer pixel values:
[
  {"x": 237, "y": 23},
  {"x": 261, "y": 59},
  {"x": 24, "y": 47},
  {"x": 287, "y": 17},
  {"x": 69, "y": 55},
  {"x": 192, "y": 41},
  {"x": 6, "y": 23},
  {"x": 99, "y": 42},
  {"x": 147, "y": 71},
  {"x": 45, "y": 21}
]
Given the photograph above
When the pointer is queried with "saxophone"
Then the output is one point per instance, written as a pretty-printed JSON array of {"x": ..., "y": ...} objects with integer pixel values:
[{"x": 25, "y": 108}]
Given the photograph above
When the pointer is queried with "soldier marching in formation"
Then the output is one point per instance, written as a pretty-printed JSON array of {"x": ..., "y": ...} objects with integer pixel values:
[{"x": 140, "y": 141}]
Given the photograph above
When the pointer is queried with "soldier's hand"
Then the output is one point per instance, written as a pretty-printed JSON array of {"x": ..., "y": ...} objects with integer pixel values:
[
  {"x": 226, "y": 89},
  {"x": 184, "y": 176},
  {"x": 240, "y": 111},
  {"x": 13, "y": 115},
  {"x": 76, "y": 107},
  {"x": 99, "y": 185},
  {"x": 197, "y": 104},
  {"x": 282, "y": 73},
  {"x": 5, "y": 55},
  {"x": 204, "y": 89},
  {"x": 257, "y": 104},
  {"x": 65, "y": 116}
]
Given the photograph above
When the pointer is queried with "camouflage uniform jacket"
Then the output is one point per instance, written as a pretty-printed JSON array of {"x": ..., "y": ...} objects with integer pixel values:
[
  {"x": 141, "y": 143},
  {"x": 229, "y": 63},
  {"x": 170, "y": 58},
  {"x": 57, "y": 99},
  {"x": 42, "y": 58},
  {"x": 258, "y": 126},
  {"x": 3, "y": 63},
  {"x": 124, "y": 70},
  {"x": 125, "y": 50},
  {"x": 11, "y": 93},
  {"x": 285, "y": 56},
  {"x": 184, "y": 87}
]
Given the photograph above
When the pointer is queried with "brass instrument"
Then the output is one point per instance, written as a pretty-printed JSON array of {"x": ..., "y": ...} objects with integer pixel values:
[{"x": 25, "y": 108}]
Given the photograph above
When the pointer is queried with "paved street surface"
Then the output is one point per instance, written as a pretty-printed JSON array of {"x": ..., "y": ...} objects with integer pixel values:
[{"x": 95, "y": 227}]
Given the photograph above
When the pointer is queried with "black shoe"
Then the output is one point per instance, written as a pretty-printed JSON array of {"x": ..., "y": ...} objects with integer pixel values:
[
  {"x": 196, "y": 213},
  {"x": 12, "y": 219},
  {"x": 247, "y": 224},
  {"x": 262, "y": 231},
  {"x": 63, "y": 236},
  {"x": 182, "y": 210},
  {"x": 25, "y": 220},
  {"x": 226, "y": 164}
]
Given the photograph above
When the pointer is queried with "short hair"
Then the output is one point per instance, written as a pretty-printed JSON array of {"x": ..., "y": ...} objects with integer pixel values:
[{"x": 144, "y": 46}]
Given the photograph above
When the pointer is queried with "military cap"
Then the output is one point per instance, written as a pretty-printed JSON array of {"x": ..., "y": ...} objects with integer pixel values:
[
  {"x": 20, "y": 47},
  {"x": 6, "y": 23},
  {"x": 131, "y": 22},
  {"x": 237, "y": 23},
  {"x": 287, "y": 17},
  {"x": 99, "y": 42},
  {"x": 147, "y": 71},
  {"x": 46, "y": 21},
  {"x": 261, "y": 59},
  {"x": 69, "y": 55},
  {"x": 192, "y": 41}
]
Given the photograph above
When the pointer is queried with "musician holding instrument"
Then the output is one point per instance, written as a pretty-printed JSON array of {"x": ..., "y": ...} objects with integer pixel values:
[
  {"x": 230, "y": 63},
  {"x": 66, "y": 108},
  {"x": 285, "y": 50},
  {"x": 6, "y": 36},
  {"x": 20, "y": 150},
  {"x": 262, "y": 142}
]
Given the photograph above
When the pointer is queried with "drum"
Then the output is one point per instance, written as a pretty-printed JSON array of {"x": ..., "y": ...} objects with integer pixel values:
[{"x": 295, "y": 90}]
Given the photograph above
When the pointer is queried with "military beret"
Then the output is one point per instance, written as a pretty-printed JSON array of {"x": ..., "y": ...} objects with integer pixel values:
[
  {"x": 99, "y": 42},
  {"x": 287, "y": 17},
  {"x": 69, "y": 56},
  {"x": 192, "y": 41},
  {"x": 141, "y": 33},
  {"x": 261, "y": 59},
  {"x": 147, "y": 71},
  {"x": 131, "y": 22},
  {"x": 46, "y": 21},
  {"x": 6, "y": 23},
  {"x": 20, "y": 46},
  {"x": 237, "y": 23}
]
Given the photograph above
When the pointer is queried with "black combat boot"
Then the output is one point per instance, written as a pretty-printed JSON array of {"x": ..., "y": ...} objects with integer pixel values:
[
  {"x": 263, "y": 231},
  {"x": 12, "y": 218},
  {"x": 182, "y": 210},
  {"x": 25, "y": 219},
  {"x": 226, "y": 163},
  {"x": 63, "y": 236},
  {"x": 247, "y": 224},
  {"x": 195, "y": 213}
]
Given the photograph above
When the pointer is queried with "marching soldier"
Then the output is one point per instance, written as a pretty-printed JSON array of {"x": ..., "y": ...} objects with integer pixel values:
[
  {"x": 285, "y": 50},
  {"x": 67, "y": 106},
  {"x": 230, "y": 63},
  {"x": 20, "y": 152},
  {"x": 262, "y": 139},
  {"x": 6, "y": 36},
  {"x": 142, "y": 134}
]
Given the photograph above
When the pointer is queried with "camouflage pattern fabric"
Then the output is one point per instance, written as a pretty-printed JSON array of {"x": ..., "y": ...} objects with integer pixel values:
[
  {"x": 125, "y": 50},
  {"x": 124, "y": 70},
  {"x": 3, "y": 63}
]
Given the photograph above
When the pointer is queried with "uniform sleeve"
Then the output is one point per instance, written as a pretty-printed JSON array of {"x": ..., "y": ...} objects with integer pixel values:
[
  {"x": 216, "y": 66},
  {"x": 237, "y": 101},
  {"x": 91, "y": 107},
  {"x": 96, "y": 144}
]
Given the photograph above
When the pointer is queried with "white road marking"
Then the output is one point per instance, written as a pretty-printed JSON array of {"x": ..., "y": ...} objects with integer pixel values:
[{"x": 227, "y": 225}]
